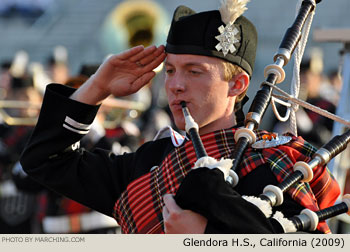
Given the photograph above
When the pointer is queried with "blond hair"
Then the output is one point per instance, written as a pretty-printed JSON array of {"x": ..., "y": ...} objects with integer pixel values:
[{"x": 230, "y": 70}]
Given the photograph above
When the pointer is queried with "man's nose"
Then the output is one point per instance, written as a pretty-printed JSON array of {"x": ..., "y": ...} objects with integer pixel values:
[{"x": 177, "y": 84}]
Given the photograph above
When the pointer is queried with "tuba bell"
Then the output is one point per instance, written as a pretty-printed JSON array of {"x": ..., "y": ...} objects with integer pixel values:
[{"x": 132, "y": 23}]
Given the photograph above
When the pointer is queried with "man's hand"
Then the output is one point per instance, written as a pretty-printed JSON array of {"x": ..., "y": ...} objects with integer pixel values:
[
  {"x": 121, "y": 74},
  {"x": 179, "y": 221}
]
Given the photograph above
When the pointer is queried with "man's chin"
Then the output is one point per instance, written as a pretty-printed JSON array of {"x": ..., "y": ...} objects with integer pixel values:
[{"x": 180, "y": 125}]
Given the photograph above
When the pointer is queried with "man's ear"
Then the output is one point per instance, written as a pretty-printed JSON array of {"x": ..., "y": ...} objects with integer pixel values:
[{"x": 238, "y": 84}]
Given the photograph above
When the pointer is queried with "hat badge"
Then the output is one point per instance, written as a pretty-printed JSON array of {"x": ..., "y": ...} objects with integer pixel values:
[
  {"x": 229, "y": 35},
  {"x": 230, "y": 10}
]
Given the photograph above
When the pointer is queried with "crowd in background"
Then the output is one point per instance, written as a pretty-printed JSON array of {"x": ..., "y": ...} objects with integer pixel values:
[{"x": 121, "y": 126}]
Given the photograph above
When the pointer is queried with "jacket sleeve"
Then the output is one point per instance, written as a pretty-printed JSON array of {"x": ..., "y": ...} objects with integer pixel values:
[{"x": 52, "y": 156}]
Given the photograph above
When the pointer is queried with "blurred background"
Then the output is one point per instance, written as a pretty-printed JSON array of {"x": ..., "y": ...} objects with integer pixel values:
[
  {"x": 64, "y": 41},
  {"x": 89, "y": 30}
]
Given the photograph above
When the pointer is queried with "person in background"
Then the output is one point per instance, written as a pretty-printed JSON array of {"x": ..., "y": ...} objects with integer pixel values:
[
  {"x": 316, "y": 128},
  {"x": 312, "y": 126},
  {"x": 59, "y": 214},
  {"x": 332, "y": 88},
  {"x": 18, "y": 206},
  {"x": 5, "y": 78}
]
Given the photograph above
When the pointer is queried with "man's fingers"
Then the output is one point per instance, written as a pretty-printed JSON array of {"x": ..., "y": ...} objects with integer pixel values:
[
  {"x": 142, "y": 54},
  {"x": 156, "y": 62},
  {"x": 149, "y": 58},
  {"x": 131, "y": 52},
  {"x": 143, "y": 80},
  {"x": 165, "y": 213},
  {"x": 170, "y": 204},
  {"x": 145, "y": 60}
]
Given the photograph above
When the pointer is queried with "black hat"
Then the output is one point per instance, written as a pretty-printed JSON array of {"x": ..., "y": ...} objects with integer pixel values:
[
  {"x": 305, "y": 65},
  {"x": 197, "y": 33},
  {"x": 21, "y": 82},
  {"x": 88, "y": 69},
  {"x": 6, "y": 65}
]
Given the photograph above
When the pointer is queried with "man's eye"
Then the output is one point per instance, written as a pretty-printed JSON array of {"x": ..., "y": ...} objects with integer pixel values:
[
  {"x": 169, "y": 71},
  {"x": 194, "y": 72}
]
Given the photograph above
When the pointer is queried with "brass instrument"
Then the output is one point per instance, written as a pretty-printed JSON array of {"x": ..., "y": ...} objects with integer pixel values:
[
  {"x": 12, "y": 120},
  {"x": 121, "y": 109},
  {"x": 110, "y": 102},
  {"x": 132, "y": 23}
]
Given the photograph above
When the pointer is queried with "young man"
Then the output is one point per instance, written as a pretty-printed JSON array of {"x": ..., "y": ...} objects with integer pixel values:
[{"x": 211, "y": 76}]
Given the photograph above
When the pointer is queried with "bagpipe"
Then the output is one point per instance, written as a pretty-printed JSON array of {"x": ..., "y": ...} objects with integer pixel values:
[
  {"x": 275, "y": 74},
  {"x": 272, "y": 195}
]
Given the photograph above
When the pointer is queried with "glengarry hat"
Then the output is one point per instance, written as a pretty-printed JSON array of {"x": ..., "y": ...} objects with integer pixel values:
[{"x": 223, "y": 33}]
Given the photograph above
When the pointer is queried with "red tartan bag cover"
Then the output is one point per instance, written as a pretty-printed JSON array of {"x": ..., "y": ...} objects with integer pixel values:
[{"x": 139, "y": 208}]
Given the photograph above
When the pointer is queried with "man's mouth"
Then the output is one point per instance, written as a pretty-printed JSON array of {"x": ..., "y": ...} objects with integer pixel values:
[{"x": 177, "y": 104}]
